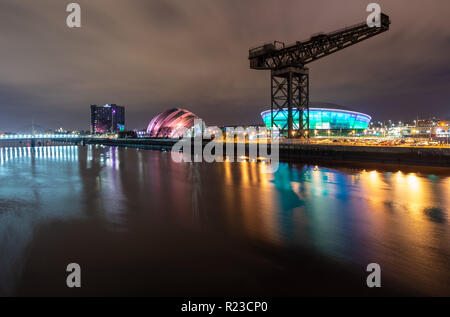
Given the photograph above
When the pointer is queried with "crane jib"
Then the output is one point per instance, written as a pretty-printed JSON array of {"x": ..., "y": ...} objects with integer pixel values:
[{"x": 271, "y": 55}]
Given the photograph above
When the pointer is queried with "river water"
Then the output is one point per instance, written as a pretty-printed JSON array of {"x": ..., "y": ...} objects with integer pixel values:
[{"x": 140, "y": 224}]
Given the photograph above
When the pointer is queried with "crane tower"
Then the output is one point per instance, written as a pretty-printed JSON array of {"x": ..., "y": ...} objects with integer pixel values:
[{"x": 290, "y": 76}]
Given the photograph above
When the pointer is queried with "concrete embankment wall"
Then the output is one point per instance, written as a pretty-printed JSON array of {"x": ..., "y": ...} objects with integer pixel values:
[
  {"x": 316, "y": 152},
  {"x": 156, "y": 144},
  {"x": 387, "y": 155}
]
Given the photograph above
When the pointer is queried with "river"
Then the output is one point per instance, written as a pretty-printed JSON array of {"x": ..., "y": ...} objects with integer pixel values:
[{"x": 140, "y": 224}]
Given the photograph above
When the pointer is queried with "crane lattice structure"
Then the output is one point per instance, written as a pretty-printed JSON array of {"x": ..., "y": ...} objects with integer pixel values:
[{"x": 290, "y": 76}]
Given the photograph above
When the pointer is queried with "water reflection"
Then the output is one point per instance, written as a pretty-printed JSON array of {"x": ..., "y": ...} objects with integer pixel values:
[
  {"x": 395, "y": 218},
  {"x": 34, "y": 189},
  {"x": 50, "y": 153}
]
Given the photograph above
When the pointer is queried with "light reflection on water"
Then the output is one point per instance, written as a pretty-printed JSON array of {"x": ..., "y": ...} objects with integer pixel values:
[
  {"x": 397, "y": 219},
  {"x": 34, "y": 185}
]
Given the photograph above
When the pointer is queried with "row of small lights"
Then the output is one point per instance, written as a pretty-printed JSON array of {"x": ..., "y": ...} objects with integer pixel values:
[{"x": 37, "y": 136}]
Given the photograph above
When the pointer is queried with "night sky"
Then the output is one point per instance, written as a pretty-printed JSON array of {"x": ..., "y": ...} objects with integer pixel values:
[{"x": 149, "y": 55}]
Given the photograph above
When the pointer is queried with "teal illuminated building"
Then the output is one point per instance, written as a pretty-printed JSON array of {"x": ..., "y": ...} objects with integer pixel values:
[{"x": 327, "y": 118}]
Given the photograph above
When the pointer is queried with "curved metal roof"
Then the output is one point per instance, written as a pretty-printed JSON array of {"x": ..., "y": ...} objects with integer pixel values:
[{"x": 171, "y": 123}]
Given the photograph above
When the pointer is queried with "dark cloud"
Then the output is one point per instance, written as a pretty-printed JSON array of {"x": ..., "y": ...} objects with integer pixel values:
[{"x": 153, "y": 54}]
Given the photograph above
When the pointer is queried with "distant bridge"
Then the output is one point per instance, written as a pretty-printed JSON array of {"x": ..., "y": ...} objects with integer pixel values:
[
  {"x": 39, "y": 136},
  {"x": 33, "y": 140}
]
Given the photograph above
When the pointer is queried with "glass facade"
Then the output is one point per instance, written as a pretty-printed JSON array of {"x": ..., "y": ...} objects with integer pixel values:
[
  {"x": 321, "y": 119},
  {"x": 107, "y": 119}
]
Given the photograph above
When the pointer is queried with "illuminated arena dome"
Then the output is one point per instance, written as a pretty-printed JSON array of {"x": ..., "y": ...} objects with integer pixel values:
[
  {"x": 171, "y": 123},
  {"x": 322, "y": 118}
]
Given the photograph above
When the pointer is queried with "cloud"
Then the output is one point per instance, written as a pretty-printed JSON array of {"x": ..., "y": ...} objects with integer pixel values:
[{"x": 153, "y": 54}]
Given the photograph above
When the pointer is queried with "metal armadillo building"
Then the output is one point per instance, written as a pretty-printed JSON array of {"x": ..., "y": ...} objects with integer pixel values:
[{"x": 173, "y": 123}]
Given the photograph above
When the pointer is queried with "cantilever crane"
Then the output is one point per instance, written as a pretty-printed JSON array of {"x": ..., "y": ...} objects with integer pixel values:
[{"x": 290, "y": 77}]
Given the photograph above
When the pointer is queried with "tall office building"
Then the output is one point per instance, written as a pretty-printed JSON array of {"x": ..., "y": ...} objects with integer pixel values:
[{"x": 108, "y": 118}]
